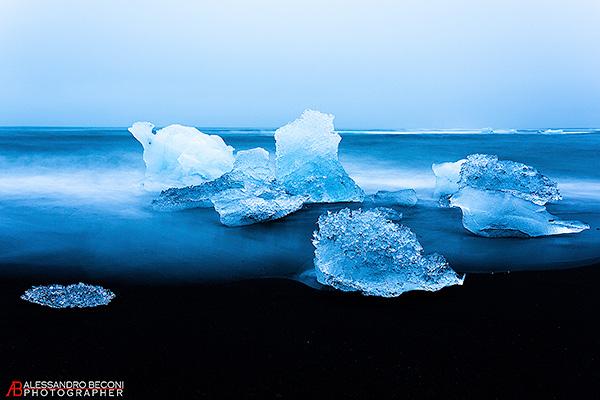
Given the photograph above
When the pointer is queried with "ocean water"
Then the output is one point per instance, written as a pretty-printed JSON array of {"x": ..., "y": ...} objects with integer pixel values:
[{"x": 71, "y": 204}]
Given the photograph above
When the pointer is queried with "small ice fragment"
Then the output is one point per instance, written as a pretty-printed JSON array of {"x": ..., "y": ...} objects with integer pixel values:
[
  {"x": 309, "y": 278},
  {"x": 71, "y": 296},
  {"x": 405, "y": 197},
  {"x": 238, "y": 207},
  {"x": 364, "y": 251},
  {"x": 196, "y": 196},
  {"x": 307, "y": 160},
  {"x": 389, "y": 213},
  {"x": 492, "y": 213},
  {"x": 178, "y": 156}
]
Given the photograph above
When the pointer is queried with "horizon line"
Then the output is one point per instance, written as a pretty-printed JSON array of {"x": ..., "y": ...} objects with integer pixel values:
[{"x": 275, "y": 128}]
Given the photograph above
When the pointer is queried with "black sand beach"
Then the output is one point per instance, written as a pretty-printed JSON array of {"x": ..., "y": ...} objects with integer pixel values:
[{"x": 518, "y": 335}]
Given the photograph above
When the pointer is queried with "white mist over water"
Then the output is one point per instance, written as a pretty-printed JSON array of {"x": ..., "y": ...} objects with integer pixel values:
[{"x": 73, "y": 200}]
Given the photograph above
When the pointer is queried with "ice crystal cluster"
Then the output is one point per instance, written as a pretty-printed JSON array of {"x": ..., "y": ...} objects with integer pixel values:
[
  {"x": 365, "y": 251},
  {"x": 71, "y": 296},
  {"x": 481, "y": 171}
]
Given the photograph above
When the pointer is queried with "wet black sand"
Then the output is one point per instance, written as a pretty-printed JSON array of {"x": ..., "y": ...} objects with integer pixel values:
[{"x": 519, "y": 335}]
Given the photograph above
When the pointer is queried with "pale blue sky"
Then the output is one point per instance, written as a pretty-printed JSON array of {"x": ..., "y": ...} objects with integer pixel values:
[{"x": 374, "y": 64}]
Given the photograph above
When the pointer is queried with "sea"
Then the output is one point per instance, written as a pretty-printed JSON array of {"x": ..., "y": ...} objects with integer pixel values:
[{"x": 72, "y": 204}]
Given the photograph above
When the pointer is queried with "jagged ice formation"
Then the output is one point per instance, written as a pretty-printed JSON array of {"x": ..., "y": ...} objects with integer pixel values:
[
  {"x": 247, "y": 194},
  {"x": 501, "y": 198},
  {"x": 307, "y": 160},
  {"x": 364, "y": 251}
]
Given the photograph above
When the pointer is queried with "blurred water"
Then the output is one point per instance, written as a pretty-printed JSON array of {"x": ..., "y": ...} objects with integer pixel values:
[{"x": 70, "y": 198}]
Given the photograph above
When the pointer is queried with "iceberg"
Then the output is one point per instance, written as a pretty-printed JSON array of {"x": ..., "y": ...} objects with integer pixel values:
[
  {"x": 364, "y": 251},
  {"x": 307, "y": 160},
  {"x": 179, "y": 156},
  {"x": 71, "y": 296},
  {"x": 486, "y": 172},
  {"x": 494, "y": 213},
  {"x": 247, "y": 189},
  {"x": 501, "y": 198},
  {"x": 405, "y": 197},
  {"x": 482, "y": 171},
  {"x": 246, "y": 195}
]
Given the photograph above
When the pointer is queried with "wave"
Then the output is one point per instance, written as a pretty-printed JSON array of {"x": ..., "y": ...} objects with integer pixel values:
[{"x": 114, "y": 191}]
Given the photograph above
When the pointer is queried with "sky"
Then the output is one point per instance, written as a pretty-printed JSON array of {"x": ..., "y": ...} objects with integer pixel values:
[{"x": 260, "y": 63}]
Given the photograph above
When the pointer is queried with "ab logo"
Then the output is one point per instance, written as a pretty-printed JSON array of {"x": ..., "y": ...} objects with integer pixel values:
[{"x": 15, "y": 389}]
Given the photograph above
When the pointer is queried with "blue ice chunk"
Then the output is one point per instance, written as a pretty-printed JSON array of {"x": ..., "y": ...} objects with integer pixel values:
[
  {"x": 251, "y": 169},
  {"x": 486, "y": 172},
  {"x": 59, "y": 296},
  {"x": 389, "y": 213},
  {"x": 364, "y": 251},
  {"x": 501, "y": 198},
  {"x": 482, "y": 171},
  {"x": 447, "y": 175},
  {"x": 196, "y": 196},
  {"x": 307, "y": 160},
  {"x": 238, "y": 207},
  {"x": 260, "y": 199},
  {"x": 405, "y": 197},
  {"x": 246, "y": 195},
  {"x": 493, "y": 213},
  {"x": 178, "y": 156}
]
